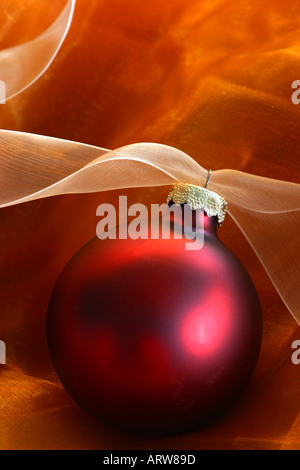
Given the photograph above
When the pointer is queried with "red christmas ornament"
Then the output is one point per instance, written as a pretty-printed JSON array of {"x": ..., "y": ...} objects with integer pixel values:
[{"x": 153, "y": 338}]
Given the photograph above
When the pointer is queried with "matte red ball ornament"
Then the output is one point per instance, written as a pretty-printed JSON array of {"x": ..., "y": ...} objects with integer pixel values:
[{"x": 153, "y": 338}]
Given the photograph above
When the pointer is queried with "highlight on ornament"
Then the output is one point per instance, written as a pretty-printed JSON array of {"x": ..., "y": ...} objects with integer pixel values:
[{"x": 156, "y": 224}]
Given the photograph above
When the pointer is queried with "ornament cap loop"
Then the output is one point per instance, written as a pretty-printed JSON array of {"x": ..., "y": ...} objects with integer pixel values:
[
  {"x": 208, "y": 179},
  {"x": 199, "y": 198}
]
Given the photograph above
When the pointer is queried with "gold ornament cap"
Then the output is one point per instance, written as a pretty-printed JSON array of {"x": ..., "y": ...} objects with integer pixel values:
[{"x": 199, "y": 198}]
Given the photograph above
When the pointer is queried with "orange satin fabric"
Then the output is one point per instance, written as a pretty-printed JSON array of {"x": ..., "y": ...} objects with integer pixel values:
[{"x": 211, "y": 78}]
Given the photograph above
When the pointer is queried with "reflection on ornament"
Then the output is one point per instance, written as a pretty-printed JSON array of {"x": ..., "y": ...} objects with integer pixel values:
[
  {"x": 153, "y": 338},
  {"x": 206, "y": 328}
]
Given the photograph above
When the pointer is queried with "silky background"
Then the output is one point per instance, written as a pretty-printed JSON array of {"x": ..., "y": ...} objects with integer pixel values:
[{"x": 212, "y": 78}]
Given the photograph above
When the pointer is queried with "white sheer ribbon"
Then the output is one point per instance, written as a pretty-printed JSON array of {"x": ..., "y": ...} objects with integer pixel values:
[
  {"x": 266, "y": 210},
  {"x": 22, "y": 65}
]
